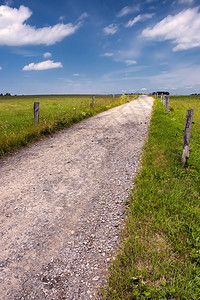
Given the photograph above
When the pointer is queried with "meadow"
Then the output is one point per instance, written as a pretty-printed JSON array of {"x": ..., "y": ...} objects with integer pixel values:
[
  {"x": 159, "y": 255},
  {"x": 17, "y": 127}
]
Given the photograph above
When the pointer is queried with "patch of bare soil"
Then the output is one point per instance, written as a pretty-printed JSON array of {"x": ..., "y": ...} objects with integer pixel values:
[{"x": 61, "y": 205}]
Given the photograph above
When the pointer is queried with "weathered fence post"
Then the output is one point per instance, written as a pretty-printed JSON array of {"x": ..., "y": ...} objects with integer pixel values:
[
  {"x": 163, "y": 100},
  {"x": 186, "y": 139},
  {"x": 36, "y": 112},
  {"x": 167, "y": 105},
  {"x": 113, "y": 97},
  {"x": 161, "y": 97},
  {"x": 93, "y": 101}
]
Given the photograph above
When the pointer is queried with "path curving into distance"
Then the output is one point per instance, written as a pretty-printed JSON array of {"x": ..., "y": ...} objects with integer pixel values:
[{"x": 61, "y": 205}]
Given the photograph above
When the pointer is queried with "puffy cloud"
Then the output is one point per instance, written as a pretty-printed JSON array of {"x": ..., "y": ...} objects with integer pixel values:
[
  {"x": 47, "y": 55},
  {"x": 76, "y": 74},
  {"x": 130, "y": 62},
  {"x": 111, "y": 29},
  {"x": 138, "y": 18},
  {"x": 44, "y": 65},
  {"x": 15, "y": 32},
  {"x": 127, "y": 10},
  {"x": 0, "y": 68},
  {"x": 183, "y": 29}
]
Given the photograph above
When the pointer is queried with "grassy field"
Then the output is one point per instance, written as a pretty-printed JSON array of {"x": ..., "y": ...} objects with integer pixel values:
[
  {"x": 159, "y": 256},
  {"x": 56, "y": 112}
]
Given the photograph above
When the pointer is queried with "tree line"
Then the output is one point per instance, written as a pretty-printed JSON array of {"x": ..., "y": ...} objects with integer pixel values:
[{"x": 5, "y": 95}]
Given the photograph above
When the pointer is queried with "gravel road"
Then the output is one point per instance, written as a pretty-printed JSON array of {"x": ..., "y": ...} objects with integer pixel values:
[{"x": 61, "y": 205}]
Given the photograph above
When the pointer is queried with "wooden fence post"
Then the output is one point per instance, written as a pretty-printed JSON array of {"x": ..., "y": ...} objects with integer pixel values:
[
  {"x": 167, "y": 105},
  {"x": 161, "y": 97},
  {"x": 36, "y": 112},
  {"x": 163, "y": 100},
  {"x": 113, "y": 97},
  {"x": 93, "y": 101},
  {"x": 186, "y": 139}
]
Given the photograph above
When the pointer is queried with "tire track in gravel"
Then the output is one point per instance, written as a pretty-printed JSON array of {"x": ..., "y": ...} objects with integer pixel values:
[{"x": 61, "y": 207}]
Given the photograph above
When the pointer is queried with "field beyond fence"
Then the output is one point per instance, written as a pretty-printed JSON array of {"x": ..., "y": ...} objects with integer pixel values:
[
  {"x": 159, "y": 257},
  {"x": 56, "y": 112}
]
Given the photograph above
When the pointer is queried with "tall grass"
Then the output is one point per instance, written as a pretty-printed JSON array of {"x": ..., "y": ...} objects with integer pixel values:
[
  {"x": 160, "y": 249},
  {"x": 56, "y": 112}
]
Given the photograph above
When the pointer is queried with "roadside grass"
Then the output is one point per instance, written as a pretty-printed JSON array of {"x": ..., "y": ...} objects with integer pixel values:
[
  {"x": 17, "y": 127},
  {"x": 159, "y": 256}
]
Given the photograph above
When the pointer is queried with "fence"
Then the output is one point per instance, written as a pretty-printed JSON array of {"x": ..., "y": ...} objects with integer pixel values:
[
  {"x": 187, "y": 130},
  {"x": 36, "y": 108}
]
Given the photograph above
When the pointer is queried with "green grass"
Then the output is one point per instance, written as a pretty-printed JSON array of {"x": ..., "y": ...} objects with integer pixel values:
[
  {"x": 159, "y": 257},
  {"x": 56, "y": 112}
]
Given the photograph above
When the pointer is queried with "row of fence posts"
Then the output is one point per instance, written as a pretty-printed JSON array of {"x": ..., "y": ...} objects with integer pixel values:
[
  {"x": 36, "y": 109},
  {"x": 187, "y": 130},
  {"x": 165, "y": 100}
]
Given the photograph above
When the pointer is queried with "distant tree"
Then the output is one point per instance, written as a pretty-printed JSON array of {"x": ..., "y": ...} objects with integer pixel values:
[
  {"x": 162, "y": 92},
  {"x": 1, "y": 95},
  {"x": 7, "y": 94}
]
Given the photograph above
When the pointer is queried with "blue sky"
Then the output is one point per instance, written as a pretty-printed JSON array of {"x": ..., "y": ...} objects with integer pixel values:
[{"x": 99, "y": 46}]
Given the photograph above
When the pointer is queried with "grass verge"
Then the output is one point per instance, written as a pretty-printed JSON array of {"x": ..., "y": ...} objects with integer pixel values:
[
  {"x": 17, "y": 127},
  {"x": 160, "y": 248}
]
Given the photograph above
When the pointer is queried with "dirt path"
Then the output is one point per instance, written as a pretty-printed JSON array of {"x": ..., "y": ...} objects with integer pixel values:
[{"x": 61, "y": 205}]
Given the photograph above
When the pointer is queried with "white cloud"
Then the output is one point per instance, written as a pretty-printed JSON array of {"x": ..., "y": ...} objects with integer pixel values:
[
  {"x": 76, "y": 74},
  {"x": 173, "y": 78},
  {"x": 61, "y": 18},
  {"x": 47, "y": 55},
  {"x": 139, "y": 18},
  {"x": 124, "y": 11},
  {"x": 15, "y": 32},
  {"x": 133, "y": 21},
  {"x": 183, "y": 29},
  {"x": 0, "y": 68},
  {"x": 143, "y": 89},
  {"x": 177, "y": 77},
  {"x": 111, "y": 29},
  {"x": 44, "y": 65},
  {"x": 185, "y": 1},
  {"x": 130, "y": 62},
  {"x": 127, "y": 10},
  {"x": 83, "y": 16},
  {"x": 25, "y": 53},
  {"x": 108, "y": 54}
]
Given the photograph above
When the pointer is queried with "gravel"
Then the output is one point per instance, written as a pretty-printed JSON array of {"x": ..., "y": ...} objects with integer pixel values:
[{"x": 62, "y": 205}]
